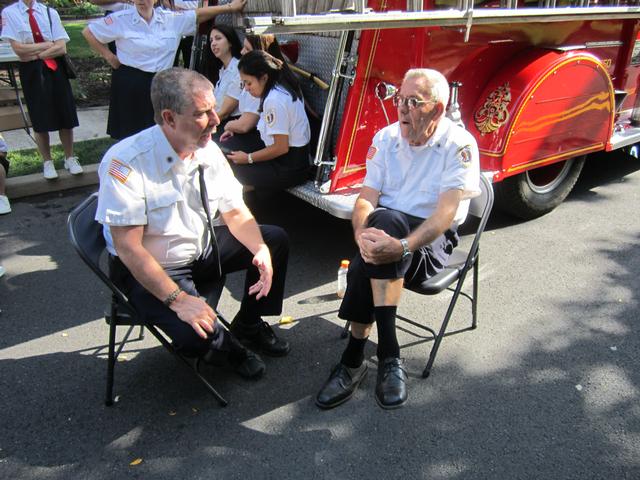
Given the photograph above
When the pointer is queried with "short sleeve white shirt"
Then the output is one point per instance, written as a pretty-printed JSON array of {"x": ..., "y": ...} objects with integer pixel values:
[
  {"x": 411, "y": 179},
  {"x": 282, "y": 116},
  {"x": 247, "y": 103},
  {"x": 15, "y": 23},
  {"x": 150, "y": 47},
  {"x": 228, "y": 85},
  {"x": 144, "y": 182}
]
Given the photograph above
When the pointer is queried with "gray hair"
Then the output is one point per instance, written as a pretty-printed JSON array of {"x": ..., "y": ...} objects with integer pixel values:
[
  {"x": 437, "y": 85},
  {"x": 173, "y": 89}
]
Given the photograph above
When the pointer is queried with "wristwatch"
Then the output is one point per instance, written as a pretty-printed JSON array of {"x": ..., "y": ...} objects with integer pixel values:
[
  {"x": 172, "y": 297},
  {"x": 405, "y": 248},
  {"x": 249, "y": 159}
]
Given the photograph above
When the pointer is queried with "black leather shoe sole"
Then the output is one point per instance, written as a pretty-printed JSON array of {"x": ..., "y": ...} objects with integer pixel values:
[{"x": 390, "y": 407}]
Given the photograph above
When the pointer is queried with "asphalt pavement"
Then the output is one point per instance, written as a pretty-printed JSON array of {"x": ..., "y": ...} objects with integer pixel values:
[{"x": 547, "y": 387}]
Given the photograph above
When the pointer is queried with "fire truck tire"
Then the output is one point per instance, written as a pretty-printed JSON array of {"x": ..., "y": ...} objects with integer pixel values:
[{"x": 536, "y": 192}]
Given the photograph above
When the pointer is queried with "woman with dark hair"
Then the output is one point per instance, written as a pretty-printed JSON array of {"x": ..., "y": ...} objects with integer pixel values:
[
  {"x": 249, "y": 105},
  {"x": 283, "y": 125},
  {"x": 146, "y": 38},
  {"x": 226, "y": 47}
]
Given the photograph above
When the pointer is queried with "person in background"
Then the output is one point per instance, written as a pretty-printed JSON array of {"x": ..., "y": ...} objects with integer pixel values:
[
  {"x": 226, "y": 47},
  {"x": 38, "y": 38},
  {"x": 5, "y": 206},
  {"x": 186, "y": 43},
  {"x": 146, "y": 42},
  {"x": 283, "y": 127},
  {"x": 421, "y": 173},
  {"x": 244, "y": 127}
]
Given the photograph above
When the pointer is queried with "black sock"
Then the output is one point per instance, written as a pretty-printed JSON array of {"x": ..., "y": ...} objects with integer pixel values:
[
  {"x": 387, "y": 340},
  {"x": 247, "y": 320},
  {"x": 353, "y": 355}
]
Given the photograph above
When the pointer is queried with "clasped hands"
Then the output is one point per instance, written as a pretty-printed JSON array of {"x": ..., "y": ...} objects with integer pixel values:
[{"x": 378, "y": 247}]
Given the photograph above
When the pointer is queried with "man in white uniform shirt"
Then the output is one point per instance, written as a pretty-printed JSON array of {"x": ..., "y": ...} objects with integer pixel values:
[
  {"x": 421, "y": 172},
  {"x": 152, "y": 187}
]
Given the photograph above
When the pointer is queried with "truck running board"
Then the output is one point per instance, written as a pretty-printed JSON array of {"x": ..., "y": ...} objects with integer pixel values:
[
  {"x": 626, "y": 137},
  {"x": 337, "y": 204}
]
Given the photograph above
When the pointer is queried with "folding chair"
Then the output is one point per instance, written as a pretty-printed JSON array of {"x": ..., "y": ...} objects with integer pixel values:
[
  {"x": 86, "y": 236},
  {"x": 460, "y": 262}
]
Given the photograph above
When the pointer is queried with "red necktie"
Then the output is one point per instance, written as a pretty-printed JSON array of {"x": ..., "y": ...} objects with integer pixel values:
[{"x": 37, "y": 37}]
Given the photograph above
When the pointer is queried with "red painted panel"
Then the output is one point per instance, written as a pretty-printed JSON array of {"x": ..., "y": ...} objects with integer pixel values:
[{"x": 385, "y": 55}]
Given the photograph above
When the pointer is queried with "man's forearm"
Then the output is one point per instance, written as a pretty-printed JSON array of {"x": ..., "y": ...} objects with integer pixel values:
[
  {"x": 438, "y": 223},
  {"x": 147, "y": 271},
  {"x": 28, "y": 49}
]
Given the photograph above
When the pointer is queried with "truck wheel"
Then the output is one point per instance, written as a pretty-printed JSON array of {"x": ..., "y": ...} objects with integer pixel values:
[{"x": 536, "y": 192}]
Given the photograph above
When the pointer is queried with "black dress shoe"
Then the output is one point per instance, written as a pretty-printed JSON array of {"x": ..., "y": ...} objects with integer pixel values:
[
  {"x": 263, "y": 339},
  {"x": 391, "y": 388},
  {"x": 341, "y": 386},
  {"x": 243, "y": 361}
]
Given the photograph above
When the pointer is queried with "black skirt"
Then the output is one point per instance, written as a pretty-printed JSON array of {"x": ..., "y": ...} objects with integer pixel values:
[
  {"x": 48, "y": 96},
  {"x": 282, "y": 172},
  {"x": 130, "y": 108}
]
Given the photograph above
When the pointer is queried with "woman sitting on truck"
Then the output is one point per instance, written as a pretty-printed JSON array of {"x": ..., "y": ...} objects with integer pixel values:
[{"x": 283, "y": 125}]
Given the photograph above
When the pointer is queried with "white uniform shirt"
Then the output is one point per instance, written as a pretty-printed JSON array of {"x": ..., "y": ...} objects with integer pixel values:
[
  {"x": 150, "y": 47},
  {"x": 282, "y": 116},
  {"x": 15, "y": 23},
  {"x": 228, "y": 85},
  {"x": 144, "y": 182},
  {"x": 247, "y": 103},
  {"x": 411, "y": 179}
]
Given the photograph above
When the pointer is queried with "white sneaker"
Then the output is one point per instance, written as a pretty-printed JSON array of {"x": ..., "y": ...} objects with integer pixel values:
[
  {"x": 73, "y": 166},
  {"x": 49, "y": 170},
  {"x": 4, "y": 205}
]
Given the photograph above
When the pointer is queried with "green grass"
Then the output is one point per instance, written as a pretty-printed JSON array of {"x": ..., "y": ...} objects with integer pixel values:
[
  {"x": 78, "y": 47},
  {"x": 25, "y": 162}
]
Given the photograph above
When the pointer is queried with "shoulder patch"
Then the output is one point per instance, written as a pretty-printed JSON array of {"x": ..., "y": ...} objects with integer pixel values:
[
  {"x": 464, "y": 156},
  {"x": 270, "y": 117},
  {"x": 108, "y": 20},
  {"x": 371, "y": 152},
  {"x": 119, "y": 170}
]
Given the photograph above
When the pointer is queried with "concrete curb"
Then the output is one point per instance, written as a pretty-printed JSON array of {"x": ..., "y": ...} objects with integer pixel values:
[{"x": 36, "y": 184}]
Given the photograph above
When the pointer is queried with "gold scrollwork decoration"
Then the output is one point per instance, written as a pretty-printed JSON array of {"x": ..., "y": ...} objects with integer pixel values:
[{"x": 494, "y": 113}]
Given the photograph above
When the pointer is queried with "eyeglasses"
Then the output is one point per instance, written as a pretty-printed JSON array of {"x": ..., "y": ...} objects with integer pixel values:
[{"x": 409, "y": 102}]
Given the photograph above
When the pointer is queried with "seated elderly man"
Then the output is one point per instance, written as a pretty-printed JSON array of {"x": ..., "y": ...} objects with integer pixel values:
[
  {"x": 159, "y": 193},
  {"x": 421, "y": 171}
]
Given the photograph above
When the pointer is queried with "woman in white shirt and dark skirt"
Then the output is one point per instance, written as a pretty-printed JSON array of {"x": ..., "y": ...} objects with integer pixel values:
[
  {"x": 146, "y": 42},
  {"x": 284, "y": 128},
  {"x": 39, "y": 40}
]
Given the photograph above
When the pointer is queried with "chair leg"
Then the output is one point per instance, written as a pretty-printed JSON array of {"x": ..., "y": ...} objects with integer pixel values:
[
  {"x": 443, "y": 328},
  {"x": 141, "y": 334},
  {"x": 474, "y": 300},
  {"x": 214, "y": 392},
  {"x": 111, "y": 360},
  {"x": 345, "y": 330}
]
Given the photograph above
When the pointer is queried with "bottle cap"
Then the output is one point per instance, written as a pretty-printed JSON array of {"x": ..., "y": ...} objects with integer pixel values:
[{"x": 344, "y": 264}]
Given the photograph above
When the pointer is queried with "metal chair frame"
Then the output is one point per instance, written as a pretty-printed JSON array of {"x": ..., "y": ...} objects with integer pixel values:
[
  {"x": 455, "y": 272},
  {"x": 87, "y": 238}
]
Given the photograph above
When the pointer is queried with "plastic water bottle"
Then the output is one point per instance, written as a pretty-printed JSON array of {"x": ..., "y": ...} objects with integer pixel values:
[{"x": 342, "y": 278}]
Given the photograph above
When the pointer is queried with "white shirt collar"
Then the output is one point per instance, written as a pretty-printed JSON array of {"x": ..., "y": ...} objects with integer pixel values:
[
  {"x": 167, "y": 156},
  {"x": 158, "y": 16}
]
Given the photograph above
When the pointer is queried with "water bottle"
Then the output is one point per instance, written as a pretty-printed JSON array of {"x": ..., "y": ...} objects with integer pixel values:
[{"x": 342, "y": 278}]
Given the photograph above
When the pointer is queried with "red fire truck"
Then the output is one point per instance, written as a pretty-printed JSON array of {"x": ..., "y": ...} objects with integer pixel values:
[{"x": 539, "y": 83}]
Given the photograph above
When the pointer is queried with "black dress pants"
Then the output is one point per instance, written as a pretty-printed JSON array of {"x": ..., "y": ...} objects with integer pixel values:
[
  {"x": 197, "y": 275},
  {"x": 357, "y": 304}
]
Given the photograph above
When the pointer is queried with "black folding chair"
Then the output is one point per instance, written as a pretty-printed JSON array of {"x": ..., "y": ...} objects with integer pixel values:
[
  {"x": 86, "y": 236},
  {"x": 453, "y": 276}
]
